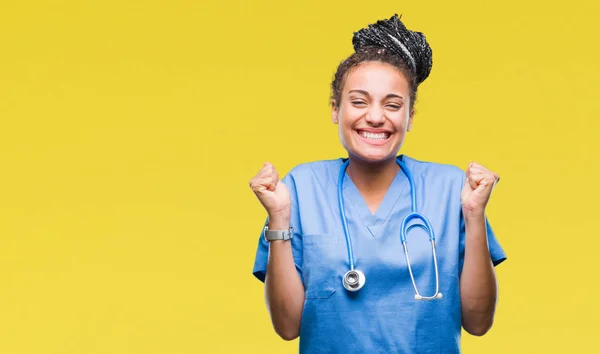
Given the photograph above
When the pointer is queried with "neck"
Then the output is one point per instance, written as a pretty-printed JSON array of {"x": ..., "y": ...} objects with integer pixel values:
[{"x": 372, "y": 179}]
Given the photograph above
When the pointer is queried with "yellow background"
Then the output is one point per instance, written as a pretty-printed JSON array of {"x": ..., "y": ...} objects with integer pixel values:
[{"x": 129, "y": 131}]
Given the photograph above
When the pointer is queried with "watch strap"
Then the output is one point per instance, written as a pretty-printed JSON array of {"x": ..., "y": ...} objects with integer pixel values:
[{"x": 276, "y": 235}]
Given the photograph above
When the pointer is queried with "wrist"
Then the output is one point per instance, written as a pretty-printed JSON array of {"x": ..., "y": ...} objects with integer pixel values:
[
  {"x": 473, "y": 215},
  {"x": 280, "y": 221},
  {"x": 475, "y": 224}
]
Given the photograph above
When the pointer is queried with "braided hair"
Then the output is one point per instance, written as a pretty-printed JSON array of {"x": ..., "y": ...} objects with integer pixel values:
[{"x": 387, "y": 41}]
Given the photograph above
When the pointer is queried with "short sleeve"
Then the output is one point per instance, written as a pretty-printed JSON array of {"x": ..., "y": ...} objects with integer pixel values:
[
  {"x": 262, "y": 252},
  {"x": 496, "y": 252}
]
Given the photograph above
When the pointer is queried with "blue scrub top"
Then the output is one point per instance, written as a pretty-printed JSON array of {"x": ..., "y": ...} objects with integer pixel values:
[{"x": 382, "y": 317}]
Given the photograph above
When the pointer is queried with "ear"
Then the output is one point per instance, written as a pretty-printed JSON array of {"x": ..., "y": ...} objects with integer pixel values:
[
  {"x": 334, "y": 112},
  {"x": 410, "y": 119}
]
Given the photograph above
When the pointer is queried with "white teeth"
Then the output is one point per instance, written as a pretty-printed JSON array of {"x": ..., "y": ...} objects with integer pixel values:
[{"x": 378, "y": 136}]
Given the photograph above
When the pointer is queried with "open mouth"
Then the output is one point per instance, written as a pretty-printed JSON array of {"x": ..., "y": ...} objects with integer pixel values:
[{"x": 375, "y": 137}]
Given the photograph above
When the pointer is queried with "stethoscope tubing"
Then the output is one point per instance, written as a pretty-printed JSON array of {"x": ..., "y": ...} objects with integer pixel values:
[{"x": 403, "y": 230}]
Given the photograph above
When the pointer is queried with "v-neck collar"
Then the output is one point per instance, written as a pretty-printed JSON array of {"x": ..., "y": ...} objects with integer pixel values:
[{"x": 399, "y": 187}]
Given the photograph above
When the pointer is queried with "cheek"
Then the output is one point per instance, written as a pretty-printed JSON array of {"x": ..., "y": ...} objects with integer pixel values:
[
  {"x": 399, "y": 119},
  {"x": 353, "y": 114},
  {"x": 348, "y": 118},
  {"x": 346, "y": 130},
  {"x": 406, "y": 114}
]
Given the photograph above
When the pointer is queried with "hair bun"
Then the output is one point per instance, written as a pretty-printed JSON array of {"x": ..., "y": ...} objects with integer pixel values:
[{"x": 395, "y": 37}]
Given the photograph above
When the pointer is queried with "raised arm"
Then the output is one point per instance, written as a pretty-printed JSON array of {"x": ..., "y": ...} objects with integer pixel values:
[
  {"x": 284, "y": 292},
  {"x": 478, "y": 285}
]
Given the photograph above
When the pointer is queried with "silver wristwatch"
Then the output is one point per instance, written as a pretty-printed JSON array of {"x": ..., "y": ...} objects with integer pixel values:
[{"x": 274, "y": 235}]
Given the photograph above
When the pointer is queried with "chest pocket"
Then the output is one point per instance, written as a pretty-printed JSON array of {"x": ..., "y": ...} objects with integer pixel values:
[{"x": 319, "y": 262}]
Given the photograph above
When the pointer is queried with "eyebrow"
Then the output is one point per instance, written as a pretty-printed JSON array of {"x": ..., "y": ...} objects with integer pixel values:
[{"x": 391, "y": 95}]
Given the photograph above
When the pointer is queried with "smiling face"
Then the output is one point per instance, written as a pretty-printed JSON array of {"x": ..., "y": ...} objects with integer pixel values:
[{"x": 374, "y": 112}]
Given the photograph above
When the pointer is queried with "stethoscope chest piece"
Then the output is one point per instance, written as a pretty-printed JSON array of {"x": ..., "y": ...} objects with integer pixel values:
[{"x": 353, "y": 280}]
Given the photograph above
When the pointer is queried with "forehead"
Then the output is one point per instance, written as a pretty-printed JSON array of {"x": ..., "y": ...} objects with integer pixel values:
[{"x": 377, "y": 77}]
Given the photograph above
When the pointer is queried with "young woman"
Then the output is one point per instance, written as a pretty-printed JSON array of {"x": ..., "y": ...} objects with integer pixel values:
[{"x": 332, "y": 255}]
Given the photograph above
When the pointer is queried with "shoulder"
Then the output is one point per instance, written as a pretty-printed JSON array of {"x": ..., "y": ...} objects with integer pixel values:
[
  {"x": 434, "y": 170},
  {"x": 319, "y": 170},
  {"x": 313, "y": 176}
]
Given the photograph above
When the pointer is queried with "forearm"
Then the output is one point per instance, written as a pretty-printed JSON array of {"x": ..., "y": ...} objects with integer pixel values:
[
  {"x": 478, "y": 287},
  {"x": 283, "y": 288}
]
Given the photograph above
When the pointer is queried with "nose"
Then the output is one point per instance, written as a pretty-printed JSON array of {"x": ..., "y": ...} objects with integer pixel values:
[{"x": 375, "y": 116}]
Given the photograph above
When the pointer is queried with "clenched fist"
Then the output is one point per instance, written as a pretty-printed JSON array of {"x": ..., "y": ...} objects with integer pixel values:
[
  {"x": 477, "y": 190},
  {"x": 271, "y": 192}
]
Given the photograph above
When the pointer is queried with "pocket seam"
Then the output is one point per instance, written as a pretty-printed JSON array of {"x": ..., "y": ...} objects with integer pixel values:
[
  {"x": 324, "y": 289},
  {"x": 321, "y": 294}
]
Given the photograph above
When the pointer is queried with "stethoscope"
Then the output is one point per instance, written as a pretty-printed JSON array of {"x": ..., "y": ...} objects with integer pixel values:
[{"x": 354, "y": 279}]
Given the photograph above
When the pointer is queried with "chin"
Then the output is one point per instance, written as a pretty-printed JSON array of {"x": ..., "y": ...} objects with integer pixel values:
[{"x": 371, "y": 157}]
